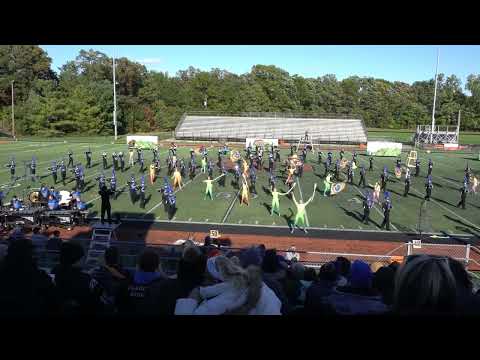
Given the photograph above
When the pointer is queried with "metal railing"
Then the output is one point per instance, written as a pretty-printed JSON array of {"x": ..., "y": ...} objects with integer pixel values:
[
  {"x": 458, "y": 252},
  {"x": 170, "y": 254}
]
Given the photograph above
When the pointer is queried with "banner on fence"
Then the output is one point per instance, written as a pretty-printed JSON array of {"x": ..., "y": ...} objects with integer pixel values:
[
  {"x": 450, "y": 146},
  {"x": 384, "y": 148},
  {"x": 255, "y": 141},
  {"x": 142, "y": 141}
]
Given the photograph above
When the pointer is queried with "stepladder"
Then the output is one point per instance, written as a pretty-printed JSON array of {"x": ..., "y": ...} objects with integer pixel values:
[{"x": 102, "y": 235}]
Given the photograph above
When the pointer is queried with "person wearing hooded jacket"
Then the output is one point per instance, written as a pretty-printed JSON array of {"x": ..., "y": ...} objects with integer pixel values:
[
  {"x": 358, "y": 297},
  {"x": 239, "y": 292},
  {"x": 140, "y": 297}
]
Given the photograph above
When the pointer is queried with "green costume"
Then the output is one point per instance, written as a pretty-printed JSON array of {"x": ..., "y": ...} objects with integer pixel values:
[
  {"x": 276, "y": 202},
  {"x": 204, "y": 165},
  {"x": 327, "y": 184},
  {"x": 209, "y": 189},
  {"x": 300, "y": 216}
]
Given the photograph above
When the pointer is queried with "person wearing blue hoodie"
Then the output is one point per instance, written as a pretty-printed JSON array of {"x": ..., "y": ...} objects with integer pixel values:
[
  {"x": 139, "y": 298},
  {"x": 358, "y": 297}
]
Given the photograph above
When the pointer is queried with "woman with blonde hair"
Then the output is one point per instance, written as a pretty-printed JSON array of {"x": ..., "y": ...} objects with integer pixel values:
[{"x": 238, "y": 291}]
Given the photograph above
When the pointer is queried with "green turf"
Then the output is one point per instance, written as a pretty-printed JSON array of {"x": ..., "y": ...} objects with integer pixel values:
[{"x": 341, "y": 211}]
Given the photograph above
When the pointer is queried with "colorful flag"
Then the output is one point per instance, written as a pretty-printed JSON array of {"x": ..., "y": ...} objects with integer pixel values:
[
  {"x": 337, "y": 187},
  {"x": 398, "y": 172}
]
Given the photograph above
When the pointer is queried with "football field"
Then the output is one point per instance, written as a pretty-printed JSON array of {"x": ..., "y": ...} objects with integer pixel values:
[{"x": 342, "y": 211}]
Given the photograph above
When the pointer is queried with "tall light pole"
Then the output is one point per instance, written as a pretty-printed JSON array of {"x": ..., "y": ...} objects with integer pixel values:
[
  {"x": 13, "y": 112},
  {"x": 114, "y": 101},
  {"x": 434, "y": 98}
]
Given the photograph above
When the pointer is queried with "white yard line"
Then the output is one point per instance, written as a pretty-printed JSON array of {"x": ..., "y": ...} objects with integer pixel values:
[{"x": 231, "y": 206}]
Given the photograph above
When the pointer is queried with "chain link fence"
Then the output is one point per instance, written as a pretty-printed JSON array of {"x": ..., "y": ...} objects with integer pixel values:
[{"x": 170, "y": 254}]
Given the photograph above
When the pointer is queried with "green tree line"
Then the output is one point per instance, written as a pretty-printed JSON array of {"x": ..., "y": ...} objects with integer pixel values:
[{"x": 79, "y": 98}]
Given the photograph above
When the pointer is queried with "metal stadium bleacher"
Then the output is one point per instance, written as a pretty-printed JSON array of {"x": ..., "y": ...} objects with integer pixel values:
[{"x": 287, "y": 127}]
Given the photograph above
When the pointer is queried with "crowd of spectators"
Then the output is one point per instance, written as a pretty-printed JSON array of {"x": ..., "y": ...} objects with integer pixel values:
[{"x": 213, "y": 281}]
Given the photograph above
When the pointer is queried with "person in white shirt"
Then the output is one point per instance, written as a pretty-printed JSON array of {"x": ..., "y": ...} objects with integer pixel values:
[{"x": 239, "y": 292}]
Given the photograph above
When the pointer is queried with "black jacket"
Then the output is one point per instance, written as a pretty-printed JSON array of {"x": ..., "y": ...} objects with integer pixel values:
[
  {"x": 112, "y": 280},
  {"x": 78, "y": 292},
  {"x": 317, "y": 293},
  {"x": 140, "y": 300},
  {"x": 26, "y": 292}
]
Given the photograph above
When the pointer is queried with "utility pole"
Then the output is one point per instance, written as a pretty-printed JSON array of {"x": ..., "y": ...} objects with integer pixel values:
[
  {"x": 13, "y": 113},
  {"x": 434, "y": 98},
  {"x": 114, "y": 101}
]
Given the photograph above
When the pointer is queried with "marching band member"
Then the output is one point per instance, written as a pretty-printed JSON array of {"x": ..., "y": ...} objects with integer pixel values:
[
  {"x": 88, "y": 155},
  {"x": 275, "y": 199},
  {"x": 244, "y": 196},
  {"x": 104, "y": 159},
  {"x": 428, "y": 188},
  {"x": 152, "y": 173},
  {"x": 362, "y": 177},
  {"x": 209, "y": 188},
  {"x": 301, "y": 208},
  {"x": 386, "y": 207},
  {"x": 367, "y": 205},
  {"x": 177, "y": 179},
  {"x": 463, "y": 196},
  {"x": 327, "y": 185}
]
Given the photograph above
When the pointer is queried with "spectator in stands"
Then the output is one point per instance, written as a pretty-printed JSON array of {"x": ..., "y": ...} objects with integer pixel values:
[
  {"x": 292, "y": 254},
  {"x": 3, "y": 249},
  {"x": 274, "y": 276},
  {"x": 293, "y": 285},
  {"x": 343, "y": 269},
  {"x": 383, "y": 282},
  {"x": 112, "y": 277},
  {"x": 395, "y": 265},
  {"x": 207, "y": 245},
  {"x": 467, "y": 303},
  {"x": 16, "y": 234},
  {"x": 140, "y": 298},
  {"x": 79, "y": 293},
  {"x": 315, "y": 301},
  {"x": 262, "y": 250},
  {"x": 25, "y": 291},
  {"x": 39, "y": 240},
  {"x": 358, "y": 297},
  {"x": 251, "y": 256},
  {"x": 54, "y": 243},
  {"x": 425, "y": 285},
  {"x": 309, "y": 277},
  {"x": 272, "y": 267},
  {"x": 190, "y": 274},
  {"x": 240, "y": 292}
]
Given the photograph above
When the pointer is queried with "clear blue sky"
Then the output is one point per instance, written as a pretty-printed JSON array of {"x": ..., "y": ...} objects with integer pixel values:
[{"x": 401, "y": 63}]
